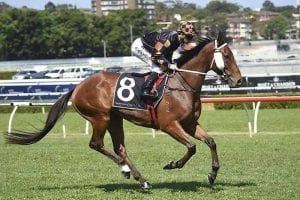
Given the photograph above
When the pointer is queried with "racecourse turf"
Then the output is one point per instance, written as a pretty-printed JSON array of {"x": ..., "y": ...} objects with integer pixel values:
[{"x": 265, "y": 166}]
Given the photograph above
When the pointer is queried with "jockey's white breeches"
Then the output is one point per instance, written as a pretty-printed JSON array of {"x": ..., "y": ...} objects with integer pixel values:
[{"x": 139, "y": 51}]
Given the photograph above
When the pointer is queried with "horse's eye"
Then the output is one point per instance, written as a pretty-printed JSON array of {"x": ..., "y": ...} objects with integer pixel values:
[{"x": 226, "y": 55}]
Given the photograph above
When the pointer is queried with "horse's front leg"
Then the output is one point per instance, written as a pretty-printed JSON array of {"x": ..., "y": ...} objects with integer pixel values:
[
  {"x": 201, "y": 134},
  {"x": 176, "y": 131},
  {"x": 117, "y": 135},
  {"x": 135, "y": 173}
]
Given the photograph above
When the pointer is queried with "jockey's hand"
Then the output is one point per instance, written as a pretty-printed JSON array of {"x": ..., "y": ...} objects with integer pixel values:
[{"x": 173, "y": 66}]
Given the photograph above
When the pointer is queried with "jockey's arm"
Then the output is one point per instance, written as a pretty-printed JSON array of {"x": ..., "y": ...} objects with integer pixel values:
[
  {"x": 187, "y": 47},
  {"x": 157, "y": 55}
]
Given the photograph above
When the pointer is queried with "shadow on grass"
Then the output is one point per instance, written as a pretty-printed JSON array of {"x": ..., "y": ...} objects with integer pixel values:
[{"x": 189, "y": 186}]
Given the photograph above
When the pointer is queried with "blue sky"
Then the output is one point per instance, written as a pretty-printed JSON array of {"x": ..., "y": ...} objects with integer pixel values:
[{"x": 39, "y": 4}]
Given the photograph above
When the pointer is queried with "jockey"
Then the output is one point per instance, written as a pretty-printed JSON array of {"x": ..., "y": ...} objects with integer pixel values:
[{"x": 156, "y": 49}]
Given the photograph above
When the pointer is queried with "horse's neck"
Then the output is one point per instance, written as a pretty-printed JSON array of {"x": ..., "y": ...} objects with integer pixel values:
[{"x": 199, "y": 63}]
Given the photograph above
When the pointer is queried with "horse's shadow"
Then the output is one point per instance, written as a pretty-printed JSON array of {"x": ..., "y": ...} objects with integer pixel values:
[{"x": 189, "y": 186}]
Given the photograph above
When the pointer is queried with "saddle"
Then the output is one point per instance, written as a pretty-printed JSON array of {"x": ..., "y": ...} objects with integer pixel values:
[{"x": 129, "y": 88}]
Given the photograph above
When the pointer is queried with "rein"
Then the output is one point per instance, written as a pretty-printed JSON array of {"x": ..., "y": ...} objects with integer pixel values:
[
  {"x": 184, "y": 89},
  {"x": 217, "y": 58},
  {"x": 196, "y": 72}
]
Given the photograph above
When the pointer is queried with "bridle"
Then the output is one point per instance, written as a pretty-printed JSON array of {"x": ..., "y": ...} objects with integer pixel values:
[{"x": 218, "y": 57}]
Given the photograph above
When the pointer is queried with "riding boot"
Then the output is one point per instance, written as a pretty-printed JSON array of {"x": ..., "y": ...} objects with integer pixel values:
[{"x": 147, "y": 87}]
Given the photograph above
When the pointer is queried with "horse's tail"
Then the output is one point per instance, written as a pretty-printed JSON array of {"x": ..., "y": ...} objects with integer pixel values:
[{"x": 25, "y": 138}]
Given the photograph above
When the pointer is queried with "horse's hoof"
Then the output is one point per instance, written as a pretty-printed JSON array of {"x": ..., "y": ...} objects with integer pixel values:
[
  {"x": 211, "y": 179},
  {"x": 126, "y": 174},
  {"x": 170, "y": 165},
  {"x": 146, "y": 185}
]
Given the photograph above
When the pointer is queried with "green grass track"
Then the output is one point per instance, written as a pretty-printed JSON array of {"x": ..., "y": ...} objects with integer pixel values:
[{"x": 265, "y": 166}]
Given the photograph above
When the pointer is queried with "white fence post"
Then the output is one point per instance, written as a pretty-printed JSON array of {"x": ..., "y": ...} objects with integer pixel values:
[
  {"x": 63, "y": 127},
  {"x": 249, "y": 121},
  {"x": 86, "y": 127},
  {"x": 256, "y": 117},
  {"x": 11, "y": 119}
]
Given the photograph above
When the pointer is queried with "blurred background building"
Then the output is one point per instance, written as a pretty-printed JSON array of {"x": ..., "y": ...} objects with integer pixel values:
[{"x": 103, "y": 7}]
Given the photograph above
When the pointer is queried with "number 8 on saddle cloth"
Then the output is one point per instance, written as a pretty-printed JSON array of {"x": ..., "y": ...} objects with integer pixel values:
[{"x": 128, "y": 91}]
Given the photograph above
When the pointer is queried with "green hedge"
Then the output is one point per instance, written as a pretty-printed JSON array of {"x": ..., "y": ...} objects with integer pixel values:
[
  {"x": 6, "y": 75},
  {"x": 263, "y": 105}
]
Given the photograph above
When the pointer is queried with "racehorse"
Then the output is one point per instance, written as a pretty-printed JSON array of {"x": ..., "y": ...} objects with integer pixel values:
[{"x": 177, "y": 113}]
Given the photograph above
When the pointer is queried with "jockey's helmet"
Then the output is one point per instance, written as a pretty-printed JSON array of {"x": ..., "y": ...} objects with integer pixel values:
[{"x": 187, "y": 28}]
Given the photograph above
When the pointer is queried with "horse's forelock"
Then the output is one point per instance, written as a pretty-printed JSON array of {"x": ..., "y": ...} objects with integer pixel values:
[{"x": 220, "y": 39}]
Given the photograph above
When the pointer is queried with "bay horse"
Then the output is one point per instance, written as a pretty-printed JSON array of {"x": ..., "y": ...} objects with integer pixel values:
[{"x": 177, "y": 113}]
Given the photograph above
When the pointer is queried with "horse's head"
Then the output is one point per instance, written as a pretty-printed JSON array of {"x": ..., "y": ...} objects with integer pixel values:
[{"x": 223, "y": 63}]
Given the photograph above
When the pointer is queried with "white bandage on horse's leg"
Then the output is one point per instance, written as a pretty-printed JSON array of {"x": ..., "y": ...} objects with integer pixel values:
[{"x": 125, "y": 168}]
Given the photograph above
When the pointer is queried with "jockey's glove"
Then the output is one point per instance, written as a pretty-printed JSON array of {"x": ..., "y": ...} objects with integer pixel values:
[{"x": 173, "y": 66}]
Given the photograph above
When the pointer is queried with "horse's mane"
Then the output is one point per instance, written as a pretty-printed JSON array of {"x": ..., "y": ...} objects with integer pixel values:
[{"x": 187, "y": 55}]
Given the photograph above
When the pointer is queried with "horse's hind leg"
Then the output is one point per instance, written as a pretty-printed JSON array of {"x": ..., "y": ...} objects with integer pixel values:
[
  {"x": 117, "y": 135},
  {"x": 201, "y": 134},
  {"x": 99, "y": 128}
]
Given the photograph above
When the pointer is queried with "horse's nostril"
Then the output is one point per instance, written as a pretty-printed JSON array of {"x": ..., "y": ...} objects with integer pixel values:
[{"x": 239, "y": 82}]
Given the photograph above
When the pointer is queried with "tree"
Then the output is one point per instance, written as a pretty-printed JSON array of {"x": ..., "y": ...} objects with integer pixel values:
[
  {"x": 277, "y": 27},
  {"x": 6, "y": 27},
  {"x": 64, "y": 7},
  {"x": 213, "y": 17},
  {"x": 117, "y": 30},
  {"x": 23, "y": 41},
  {"x": 217, "y": 23},
  {"x": 4, "y": 6},
  {"x": 215, "y": 7},
  {"x": 33, "y": 34},
  {"x": 268, "y": 5},
  {"x": 50, "y": 7},
  {"x": 286, "y": 11}
]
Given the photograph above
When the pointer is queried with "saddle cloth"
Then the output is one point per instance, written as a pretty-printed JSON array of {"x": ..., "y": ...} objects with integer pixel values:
[{"x": 129, "y": 89}]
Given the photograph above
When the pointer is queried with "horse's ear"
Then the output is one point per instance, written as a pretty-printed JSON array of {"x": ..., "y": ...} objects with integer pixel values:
[{"x": 220, "y": 39}]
